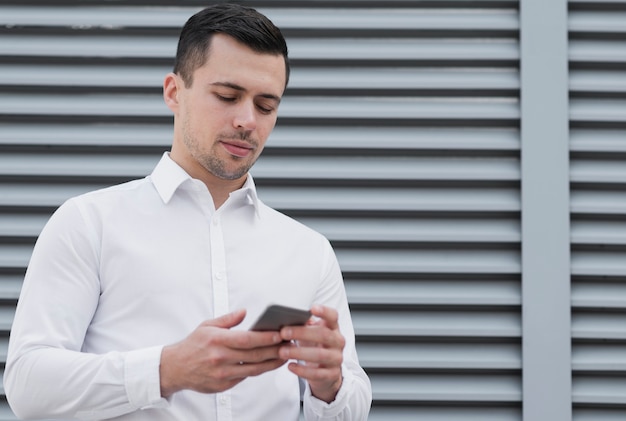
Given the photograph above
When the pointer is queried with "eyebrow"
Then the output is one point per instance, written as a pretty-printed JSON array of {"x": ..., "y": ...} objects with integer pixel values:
[{"x": 242, "y": 89}]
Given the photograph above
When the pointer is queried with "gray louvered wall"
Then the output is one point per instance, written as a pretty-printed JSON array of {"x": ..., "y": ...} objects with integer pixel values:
[
  {"x": 398, "y": 139},
  {"x": 597, "y": 54}
]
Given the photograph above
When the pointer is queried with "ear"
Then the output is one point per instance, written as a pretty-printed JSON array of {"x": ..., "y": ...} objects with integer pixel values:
[{"x": 171, "y": 86}]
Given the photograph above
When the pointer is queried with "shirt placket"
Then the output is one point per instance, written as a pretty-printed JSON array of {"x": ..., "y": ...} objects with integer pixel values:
[{"x": 220, "y": 300}]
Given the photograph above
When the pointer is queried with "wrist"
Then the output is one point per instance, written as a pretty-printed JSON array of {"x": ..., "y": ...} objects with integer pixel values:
[
  {"x": 168, "y": 372},
  {"x": 327, "y": 393}
]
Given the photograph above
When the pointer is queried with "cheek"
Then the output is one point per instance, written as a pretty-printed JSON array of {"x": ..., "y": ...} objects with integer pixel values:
[{"x": 265, "y": 127}]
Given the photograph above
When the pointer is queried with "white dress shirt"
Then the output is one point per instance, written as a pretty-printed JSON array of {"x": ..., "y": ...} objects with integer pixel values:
[{"x": 118, "y": 273}]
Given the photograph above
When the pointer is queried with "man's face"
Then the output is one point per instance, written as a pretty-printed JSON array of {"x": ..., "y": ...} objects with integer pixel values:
[{"x": 225, "y": 117}]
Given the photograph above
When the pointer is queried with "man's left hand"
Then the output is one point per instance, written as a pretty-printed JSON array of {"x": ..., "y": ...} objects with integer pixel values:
[{"x": 319, "y": 349}]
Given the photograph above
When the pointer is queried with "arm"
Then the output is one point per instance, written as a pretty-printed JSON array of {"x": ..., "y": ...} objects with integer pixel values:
[{"x": 57, "y": 302}]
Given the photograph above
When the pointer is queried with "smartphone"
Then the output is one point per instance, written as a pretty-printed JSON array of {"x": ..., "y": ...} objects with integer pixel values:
[{"x": 276, "y": 316}]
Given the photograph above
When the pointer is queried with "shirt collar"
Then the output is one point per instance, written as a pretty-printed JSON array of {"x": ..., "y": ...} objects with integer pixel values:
[
  {"x": 249, "y": 190},
  {"x": 168, "y": 176}
]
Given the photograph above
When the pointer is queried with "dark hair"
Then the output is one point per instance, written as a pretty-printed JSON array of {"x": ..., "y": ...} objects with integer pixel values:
[{"x": 244, "y": 24}]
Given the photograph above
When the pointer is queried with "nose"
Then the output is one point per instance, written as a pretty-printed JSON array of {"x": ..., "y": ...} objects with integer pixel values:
[{"x": 245, "y": 117}]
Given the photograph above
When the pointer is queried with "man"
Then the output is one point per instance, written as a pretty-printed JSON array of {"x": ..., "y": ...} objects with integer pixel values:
[{"x": 138, "y": 298}]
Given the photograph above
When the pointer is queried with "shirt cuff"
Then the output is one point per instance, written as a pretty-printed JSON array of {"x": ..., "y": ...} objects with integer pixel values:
[
  {"x": 142, "y": 380},
  {"x": 329, "y": 410}
]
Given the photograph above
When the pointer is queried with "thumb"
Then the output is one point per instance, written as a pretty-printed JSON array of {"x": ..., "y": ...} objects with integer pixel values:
[{"x": 227, "y": 320}]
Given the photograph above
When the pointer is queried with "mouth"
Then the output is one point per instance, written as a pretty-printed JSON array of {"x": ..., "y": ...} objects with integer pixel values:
[{"x": 237, "y": 148}]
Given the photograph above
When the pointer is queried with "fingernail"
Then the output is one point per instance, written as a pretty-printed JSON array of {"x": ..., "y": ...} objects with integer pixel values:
[{"x": 287, "y": 333}]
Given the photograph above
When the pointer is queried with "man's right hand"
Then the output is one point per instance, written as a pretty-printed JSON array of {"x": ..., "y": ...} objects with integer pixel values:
[{"x": 214, "y": 358}]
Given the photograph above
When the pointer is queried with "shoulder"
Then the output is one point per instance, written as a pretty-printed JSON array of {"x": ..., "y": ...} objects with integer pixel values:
[
  {"x": 291, "y": 229},
  {"x": 96, "y": 204},
  {"x": 112, "y": 196}
]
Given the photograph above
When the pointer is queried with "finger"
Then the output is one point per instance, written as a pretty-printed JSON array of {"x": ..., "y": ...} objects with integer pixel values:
[
  {"x": 328, "y": 314},
  {"x": 311, "y": 335},
  {"x": 227, "y": 320},
  {"x": 250, "y": 340},
  {"x": 313, "y": 355},
  {"x": 256, "y": 355},
  {"x": 312, "y": 373},
  {"x": 254, "y": 369}
]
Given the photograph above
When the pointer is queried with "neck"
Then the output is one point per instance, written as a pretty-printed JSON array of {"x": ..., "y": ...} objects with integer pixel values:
[{"x": 219, "y": 188}]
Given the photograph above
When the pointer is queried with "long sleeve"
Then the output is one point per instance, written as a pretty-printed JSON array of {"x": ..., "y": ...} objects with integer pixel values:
[
  {"x": 47, "y": 374},
  {"x": 353, "y": 401}
]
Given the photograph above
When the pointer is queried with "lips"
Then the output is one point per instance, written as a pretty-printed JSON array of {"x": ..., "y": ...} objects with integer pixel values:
[{"x": 237, "y": 149}]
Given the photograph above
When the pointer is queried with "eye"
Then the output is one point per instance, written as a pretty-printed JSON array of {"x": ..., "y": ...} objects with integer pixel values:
[
  {"x": 225, "y": 98},
  {"x": 265, "y": 110}
]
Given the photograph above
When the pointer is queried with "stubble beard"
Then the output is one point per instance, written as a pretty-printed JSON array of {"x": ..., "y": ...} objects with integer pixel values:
[{"x": 215, "y": 165}]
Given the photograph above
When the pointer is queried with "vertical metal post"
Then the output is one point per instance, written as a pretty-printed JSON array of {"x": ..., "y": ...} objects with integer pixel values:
[{"x": 546, "y": 314}]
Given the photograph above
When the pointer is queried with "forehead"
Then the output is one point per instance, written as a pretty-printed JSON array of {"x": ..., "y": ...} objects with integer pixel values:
[{"x": 230, "y": 61}]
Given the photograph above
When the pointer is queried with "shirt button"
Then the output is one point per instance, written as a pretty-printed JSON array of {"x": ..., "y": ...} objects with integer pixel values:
[
  {"x": 223, "y": 400},
  {"x": 219, "y": 275},
  {"x": 216, "y": 221}
]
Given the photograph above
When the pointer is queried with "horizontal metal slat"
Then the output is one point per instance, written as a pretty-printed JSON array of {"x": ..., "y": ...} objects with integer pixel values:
[
  {"x": 597, "y": 294},
  {"x": 596, "y": 325},
  {"x": 608, "y": 171},
  {"x": 599, "y": 52},
  {"x": 433, "y": 293},
  {"x": 392, "y": 199},
  {"x": 598, "y": 263},
  {"x": 592, "y": 141},
  {"x": 504, "y": 109},
  {"x": 119, "y": 17},
  {"x": 309, "y": 49},
  {"x": 10, "y": 286},
  {"x": 4, "y": 346},
  {"x": 353, "y": 230},
  {"x": 41, "y": 194},
  {"x": 446, "y": 388},
  {"x": 110, "y": 105},
  {"x": 597, "y": 111},
  {"x": 77, "y": 165},
  {"x": 368, "y": 199},
  {"x": 598, "y": 357},
  {"x": 413, "y": 229},
  {"x": 14, "y": 256},
  {"x": 80, "y": 135},
  {"x": 283, "y": 136},
  {"x": 83, "y": 75},
  {"x": 296, "y": 167},
  {"x": 442, "y": 324},
  {"x": 594, "y": 4},
  {"x": 598, "y": 414},
  {"x": 301, "y": 3},
  {"x": 301, "y": 107},
  {"x": 608, "y": 202},
  {"x": 450, "y": 261},
  {"x": 597, "y": 82},
  {"x": 406, "y": 79},
  {"x": 381, "y": 356},
  {"x": 7, "y": 312},
  {"x": 21, "y": 224},
  {"x": 356, "y": 79},
  {"x": 598, "y": 232},
  {"x": 444, "y": 413},
  {"x": 597, "y": 22},
  {"x": 111, "y": 47},
  {"x": 598, "y": 390}
]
